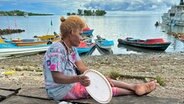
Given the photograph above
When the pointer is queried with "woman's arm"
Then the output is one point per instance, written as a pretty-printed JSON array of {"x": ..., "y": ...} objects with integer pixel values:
[
  {"x": 81, "y": 66},
  {"x": 60, "y": 78}
]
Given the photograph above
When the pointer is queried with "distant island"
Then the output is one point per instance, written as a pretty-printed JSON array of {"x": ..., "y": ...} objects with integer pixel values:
[
  {"x": 89, "y": 12},
  {"x": 20, "y": 13},
  {"x": 10, "y": 31}
]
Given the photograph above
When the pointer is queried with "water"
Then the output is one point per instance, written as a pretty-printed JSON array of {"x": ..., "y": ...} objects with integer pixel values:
[{"x": 111, "y": 27}]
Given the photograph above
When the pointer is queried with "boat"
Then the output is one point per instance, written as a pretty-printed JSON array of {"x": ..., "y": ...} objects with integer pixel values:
[
  {"x": 104, "y": 43},
  {"x": 4, "y": 44},
  {"x": 48, "y": 37},
  {"x": 9, "y": 49},
  {"x": 175, "y": 15},
  {"x": 22, "y": 40},
  {"x": 154, "y": 44},
  {"x": 23, "y": 50},
  {"x": 88, "y": 32},
  {"x": 34, "y": 43},
  {"x": 103, "y": 51},
  {"x": 25, "y": 42},
  {"x": 157, "y": 24},
  {"x": 86, "y": 39},
  {"x": 85, "y": 47},
  {"x": 137, "y": 49},
  {"x": 7, "y": 45},
  {"x": 88, "y": 53},
  {"x": 38, "y": 40}
]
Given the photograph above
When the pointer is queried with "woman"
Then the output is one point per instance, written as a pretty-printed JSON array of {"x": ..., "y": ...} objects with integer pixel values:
[{"x": 62, "y": 62}]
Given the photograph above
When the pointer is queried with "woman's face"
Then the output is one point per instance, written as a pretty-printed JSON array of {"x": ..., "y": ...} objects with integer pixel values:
[{"x": 75, "y": 37}]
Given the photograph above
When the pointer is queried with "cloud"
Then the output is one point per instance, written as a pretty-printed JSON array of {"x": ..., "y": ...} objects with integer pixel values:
[
  {"x": 130, "y": 5},
  {"x": 43, "y": 6},
  {"x": 64, "y": 6}
]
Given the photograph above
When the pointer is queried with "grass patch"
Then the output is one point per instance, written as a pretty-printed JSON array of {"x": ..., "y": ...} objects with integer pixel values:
[
  {"x": 160, "y": 80},
  {"x": 114, "y": 75}
]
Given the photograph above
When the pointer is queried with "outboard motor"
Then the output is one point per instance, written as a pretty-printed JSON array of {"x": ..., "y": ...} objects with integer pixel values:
[{"x": 49, "y": 42}]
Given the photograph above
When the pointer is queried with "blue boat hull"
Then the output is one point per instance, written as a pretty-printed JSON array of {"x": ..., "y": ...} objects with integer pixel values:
[
  {"x": 104, "y": 44},
  {"x": 7, "y": 45},
  {"x": 82, "y": 50}
]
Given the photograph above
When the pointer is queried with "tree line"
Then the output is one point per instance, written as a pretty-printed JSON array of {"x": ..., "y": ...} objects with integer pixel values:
[
  {"x": 19, "y": 13},
  {"x": 10, "y": 31}
]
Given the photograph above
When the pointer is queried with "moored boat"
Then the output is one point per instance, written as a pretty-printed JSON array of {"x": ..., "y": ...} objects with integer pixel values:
[
  {"x": 104, "y": 43},
  {"x": 40, "y": 40},
  {"x": 9, "y": 49},
  {"x": 47, "y": 37},
  {"x": 85, "y": 47},
  {"x": 21, "y": 40},
  {"x": 154, "y": 44},
  {"x": 88, "y": 31},
  {"x": 23, "y": 50},
  {"x": 31, "y": 43},
  {"x": 4, "y": 44}
]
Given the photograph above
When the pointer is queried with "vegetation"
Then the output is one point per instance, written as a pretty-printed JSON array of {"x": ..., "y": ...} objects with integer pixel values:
[
  {"x": 114, "y": 75},
  {"x": 19, "y": 13},
  {"x": 10, "y": 31},
  {"x": 89, "y": 12},
  {"x": 160, "y": 81}
]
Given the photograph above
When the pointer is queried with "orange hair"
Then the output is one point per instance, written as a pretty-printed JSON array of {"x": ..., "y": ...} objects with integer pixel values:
[{"x": 71, "y": 23}]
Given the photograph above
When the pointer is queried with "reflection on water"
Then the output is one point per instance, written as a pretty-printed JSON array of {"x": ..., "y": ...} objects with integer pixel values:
[{"x": 177, "y": 45}]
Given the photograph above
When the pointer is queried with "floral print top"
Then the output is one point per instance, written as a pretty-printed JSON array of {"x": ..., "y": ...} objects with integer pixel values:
[{"x": 57, "y": 59}]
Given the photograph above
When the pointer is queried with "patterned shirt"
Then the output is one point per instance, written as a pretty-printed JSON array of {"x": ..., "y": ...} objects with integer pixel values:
[{"x": 57, "y": 59}]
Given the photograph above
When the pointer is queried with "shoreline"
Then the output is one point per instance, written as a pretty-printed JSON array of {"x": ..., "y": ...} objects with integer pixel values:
[{"x": 27, "y": 71}]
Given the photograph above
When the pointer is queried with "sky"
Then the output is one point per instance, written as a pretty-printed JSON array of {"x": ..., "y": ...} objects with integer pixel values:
[{"x": 64, "y": 6}]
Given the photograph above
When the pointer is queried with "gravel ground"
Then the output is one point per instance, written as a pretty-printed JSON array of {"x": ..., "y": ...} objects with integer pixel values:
[{"x": 27, "y": 71}]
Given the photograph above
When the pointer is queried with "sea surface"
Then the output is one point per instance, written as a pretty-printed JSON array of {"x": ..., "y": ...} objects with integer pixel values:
[{"x": 112, "y": 27}]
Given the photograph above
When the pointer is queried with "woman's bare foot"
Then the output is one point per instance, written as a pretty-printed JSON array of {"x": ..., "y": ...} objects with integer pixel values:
[{"x": 142, "y": 89}]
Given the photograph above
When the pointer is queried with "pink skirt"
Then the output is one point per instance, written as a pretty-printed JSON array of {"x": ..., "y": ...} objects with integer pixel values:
[{"x": 79, "y": 92}]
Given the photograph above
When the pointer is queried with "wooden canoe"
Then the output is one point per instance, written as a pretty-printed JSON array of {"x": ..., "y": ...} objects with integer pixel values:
[{"x": 154, "y": 44}]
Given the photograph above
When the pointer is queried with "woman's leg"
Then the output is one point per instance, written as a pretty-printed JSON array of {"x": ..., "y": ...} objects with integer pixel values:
[
  {"x": 121, "y": 84},
  {"x": 139, "y": 89},
  {"x": 77, "y": 92},
  {"x": 120, "y": 91}
]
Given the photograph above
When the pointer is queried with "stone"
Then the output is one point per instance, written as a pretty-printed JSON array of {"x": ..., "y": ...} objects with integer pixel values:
[
  {"x": 10, "y": 87},
  {"x": 6, "y": 93},
  {"x": 26, "y": 100},
  {"x": 134, "y": 100},
  {"x": 34, "y": 93}
]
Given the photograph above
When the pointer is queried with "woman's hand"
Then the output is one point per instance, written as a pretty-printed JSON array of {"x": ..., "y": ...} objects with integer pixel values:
[{"x": 84, "y": 80}]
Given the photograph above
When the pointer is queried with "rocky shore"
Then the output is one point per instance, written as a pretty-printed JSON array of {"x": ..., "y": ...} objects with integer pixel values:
[{"x": 27, "y": 71}]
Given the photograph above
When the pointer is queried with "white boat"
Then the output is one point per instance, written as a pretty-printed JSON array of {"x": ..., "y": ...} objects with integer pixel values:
[
  {"x": 175, "y": 15},
  {"x": 23, "y": 50}
]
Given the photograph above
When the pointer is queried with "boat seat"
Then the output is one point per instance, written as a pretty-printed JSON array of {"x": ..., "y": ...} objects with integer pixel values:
[{"x": 152, "y": 41}]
